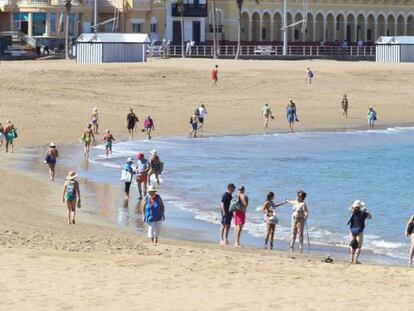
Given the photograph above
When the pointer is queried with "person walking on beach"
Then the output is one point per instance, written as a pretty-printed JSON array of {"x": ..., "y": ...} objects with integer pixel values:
[
  {"x": 267, "y": 113},
  {"x": 309, "y": 75},
  {"x": 131, "y": 123},
  {"x": 357, "y": 225},
  {"x": 226, "y": 215},
  {"x": 299, "y": 216},
  {"x": 11, "y": 134},
  {"x": 202, "y": 111},
  {"x": 410, "y": 233},
  {"x": 270, "y": 219},
  {"x": 214, "y": 75},
  {"x": 108, "y": 139},
  {"x": 71, "y": 196},
  {"x": 51, "y": 155},
  {"x": 87, "y": 139},
  {"x": 291, "y": 115},
  {"x": 372, "y": 117},
  {"x": 194, "y": 126},
  {"x": 345, "y": 106},
  {"x": 148, "y": 126},
  {"x": 126, "y": 176},
  {"x": 142, "y": 174},
  {"x": 95, "y": 120},
  {"x": 239, "y": 206},
  {"x": 1, "y": 135},
  {"x": 153, "y": 210},
  {"x": 156, "y": 167}
]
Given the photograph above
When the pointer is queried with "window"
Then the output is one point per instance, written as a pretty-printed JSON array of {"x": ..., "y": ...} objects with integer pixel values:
[
  {"x": 154, "y": 28},
  {"x": 369, "y": 34},
  {"x": 136, "y": 27},
  {"x": 296, "y": 34},
  {"x": 52, "y": 22},
  {"x": 263, "y": 33}
]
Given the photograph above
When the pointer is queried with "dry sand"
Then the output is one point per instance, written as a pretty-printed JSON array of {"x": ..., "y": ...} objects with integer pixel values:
[{"x": 48, "y": 265}]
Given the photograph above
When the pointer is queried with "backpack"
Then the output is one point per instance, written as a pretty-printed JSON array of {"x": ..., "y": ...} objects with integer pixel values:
[
  {"x": 310, "y": 74},
  {"x": 235, "y": 204}
]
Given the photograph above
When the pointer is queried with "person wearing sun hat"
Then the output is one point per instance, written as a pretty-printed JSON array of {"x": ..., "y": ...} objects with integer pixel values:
[
  {"x": 71, "y": 196},
  {"x": 357, "y": 225},
  {"x": 51, "y": 155},
  {"x": 156, "y": 167},
  {"x": 127, "y": 174},
  {"x": 152, "y": 208}
]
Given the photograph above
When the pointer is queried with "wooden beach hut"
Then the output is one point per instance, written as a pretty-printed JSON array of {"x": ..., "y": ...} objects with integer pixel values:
[
  {"x": 97, "y": 48},
  {"x": 398, "y": 49}
]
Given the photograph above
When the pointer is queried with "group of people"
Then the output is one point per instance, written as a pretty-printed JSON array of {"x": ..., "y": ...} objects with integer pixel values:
[
  {"x": 9, "y": 133},
  {"x": 197, "y": 120}
]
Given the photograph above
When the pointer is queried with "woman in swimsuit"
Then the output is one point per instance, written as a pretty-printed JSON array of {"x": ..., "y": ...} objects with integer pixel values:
[
  {"x": 299, "y": 216},
  {"x": 410, "y": 233},
  {"x": 94, "y": 120},
  {"x": 71, "y": 196},
  {"x": 357, "y": 225},
  {"x": 87, "y": 138},
  {"x": 291, "y": 115},
  {"x": 155, "y": 167},
  {"x": 108, "y": 139},
  {"x": 51, "y": 155},
  {"x": 270, "y": 219}
]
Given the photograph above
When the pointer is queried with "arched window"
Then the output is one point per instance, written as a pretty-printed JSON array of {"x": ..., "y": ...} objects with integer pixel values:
[{"x": 154, "y": 24}]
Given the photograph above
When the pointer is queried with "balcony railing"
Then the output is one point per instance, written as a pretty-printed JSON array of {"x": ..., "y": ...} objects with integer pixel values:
[{"x": 191, "y": 10}]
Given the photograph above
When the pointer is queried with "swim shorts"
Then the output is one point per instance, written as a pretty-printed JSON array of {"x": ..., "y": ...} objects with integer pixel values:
[{"x": 226, "y": 218}]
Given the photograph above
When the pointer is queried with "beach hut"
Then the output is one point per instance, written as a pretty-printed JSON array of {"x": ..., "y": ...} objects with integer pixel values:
[
  {"x": 395, "y": 49},
  {"x": 97, "y": 48}
]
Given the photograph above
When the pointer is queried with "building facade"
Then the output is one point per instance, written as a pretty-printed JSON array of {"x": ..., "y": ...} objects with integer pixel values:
[
  {"x": 45, "y": 18},
  {"x": 324, "y": 20}
]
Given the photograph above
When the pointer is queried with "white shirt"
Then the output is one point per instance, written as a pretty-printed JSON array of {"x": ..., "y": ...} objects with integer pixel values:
[{"x": 202, "y": 112}]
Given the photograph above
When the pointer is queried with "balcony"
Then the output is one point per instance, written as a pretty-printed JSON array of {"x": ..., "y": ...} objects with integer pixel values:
[{"x": 191, "y": 10}]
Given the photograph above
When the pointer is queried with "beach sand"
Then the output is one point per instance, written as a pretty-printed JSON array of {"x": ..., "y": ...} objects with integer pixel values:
[{"x": 46, "y": 264}]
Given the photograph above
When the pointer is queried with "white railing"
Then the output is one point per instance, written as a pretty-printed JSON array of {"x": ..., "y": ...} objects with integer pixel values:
[
  {"x": 20, "y": 36},
  {"x": 268, "y": 50}
]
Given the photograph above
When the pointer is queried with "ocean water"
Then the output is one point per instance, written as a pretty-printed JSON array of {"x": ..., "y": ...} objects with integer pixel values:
[{"x": 334, "y": 168}]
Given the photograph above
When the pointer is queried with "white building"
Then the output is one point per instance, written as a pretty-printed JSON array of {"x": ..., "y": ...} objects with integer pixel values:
[{"x": 395, "y": 49}]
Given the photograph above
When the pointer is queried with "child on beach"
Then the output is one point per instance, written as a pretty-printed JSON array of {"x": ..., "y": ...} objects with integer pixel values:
[
  {"x": 71, "y": 196},
  {"x": 94, "y": 120},
  {"x": 309, "y": 75},
  {"x": 87, "y": 138},
  {"x": 51, "y": 155},
  {"x": 238, "y": 207},
  {"x": 299, "y": 216},
  {"x": 226, "y": 215},
  {"x": 194, "y": 126},
  {"x": 148, "y": 126},
  {"x": 214, "y": 75},
  {"x": 108, "y": 139},
  {"x": 267, "y": 113},
  {"x": 372, "y": 117},
  {"x": 357, "y": 225},
  {"x": 410, "y": 233},
  {"x": 270, "y": 219},
  {"x": 153, "y": 211}
]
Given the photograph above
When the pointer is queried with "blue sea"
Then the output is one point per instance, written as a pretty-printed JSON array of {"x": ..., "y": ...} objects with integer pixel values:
[{"x": 334, "y": 168}]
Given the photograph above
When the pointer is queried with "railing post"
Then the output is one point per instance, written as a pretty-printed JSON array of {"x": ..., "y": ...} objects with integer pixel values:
[{"x": 317, "y": 50}]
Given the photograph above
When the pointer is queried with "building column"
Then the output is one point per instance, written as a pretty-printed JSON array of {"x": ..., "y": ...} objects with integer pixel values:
[
  {"x": 356, "y": 31},
  {"x": 334, "y": 29},
  {"x": 375, "y": 31},
  {"x": 405, "y": 28},
  {"x": 315, "y": 21},
  {"x": 30, "y": 25},
  {"x": 272, "y": 30},
  {"x": 324, "y": 30},
  {"x": 47, "y": 25},
  {"x": 366, "y": 31},
  {"x": 396, "y": 26},
  {"x": 261, "y": 28},
  {"x": 250, "y": 36}
]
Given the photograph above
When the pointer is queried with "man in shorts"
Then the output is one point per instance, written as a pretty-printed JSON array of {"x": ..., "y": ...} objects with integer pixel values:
[
  {"x": 131, "y": 122},
  {"x": 142, "y": 174},
  {"x": 226, "y": 216}
]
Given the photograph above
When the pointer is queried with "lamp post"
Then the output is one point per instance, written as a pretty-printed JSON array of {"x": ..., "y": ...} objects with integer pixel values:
[
  {"x": 181, "y": 8},
  {"x": 68, "y": 7}
]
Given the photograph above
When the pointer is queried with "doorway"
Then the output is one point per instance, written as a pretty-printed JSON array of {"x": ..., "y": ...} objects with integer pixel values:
[
  {"x": 177, "y": 31},
  {"x": 197, "y": 32}
]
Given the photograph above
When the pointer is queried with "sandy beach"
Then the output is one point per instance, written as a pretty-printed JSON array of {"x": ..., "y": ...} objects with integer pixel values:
[{"x": 47, "y": 265}]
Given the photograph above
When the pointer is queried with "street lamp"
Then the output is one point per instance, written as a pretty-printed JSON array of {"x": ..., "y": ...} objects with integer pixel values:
[{"x": 68, "y": 7}]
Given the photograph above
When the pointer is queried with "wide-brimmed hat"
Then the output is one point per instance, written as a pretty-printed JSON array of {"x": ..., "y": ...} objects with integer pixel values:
[
  {"x": 358, "y": 204},
  {"x": 151, "y": 189},
  {"x": 52, "y": 145},
  {"x": 129, "y": 160},
  {"x": 154, "y": 152},
  {"x": 71, "y": 175}
]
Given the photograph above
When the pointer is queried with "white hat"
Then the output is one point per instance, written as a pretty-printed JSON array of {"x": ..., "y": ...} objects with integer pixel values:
[
  {"x": 129, "y": 160},
  {"x": 95, "y": 109},
  {"x": 151, "y": 188},
  {"x": 52, "y": 145},
  {"x": 154, "y": 152},
  {"x": 71, "y": 175},
  {"x": 359, "y": 204}
]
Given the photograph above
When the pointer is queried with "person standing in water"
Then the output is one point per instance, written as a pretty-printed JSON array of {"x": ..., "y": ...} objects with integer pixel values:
[
  {"x": 149, "y": 126},
  {"x": 372, "y": 117},
  {"x": 357, "y": 225},
  {"x": 71, "y": 196},
  {"x": 131, "y": 123},
  {"x": 214, "y": 75},
  {"x": 309, "y": 75},
  {"x": 345, "y": 106},
  {"x": 11, "y": 134},
  {"x": 1, "y": 135},
  {"x": 226, "y": 215},
  {"x": 267, "y": 113},
  {"x": 95, "y": 120},
  {"x": 194, "y": 126},
  {"x": 153, "y": 209},
  {"x": 410, "y": 233},
  {"x": 108, "y": 139},
  {"x": 87, "y": 139},
  {"x": 156, "y": 167},
  {"x": 291, "y": 115},
  {"x": 142, "y": 174},
  {"x": 270, "y": 219},
  {"x": 51, "y": 155},
  {"x": 127, "y": 175},
  {"x": 299, "y": 216},
  {"x": 239, "y": 214},
  {"x": 202, "y": 111}
]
